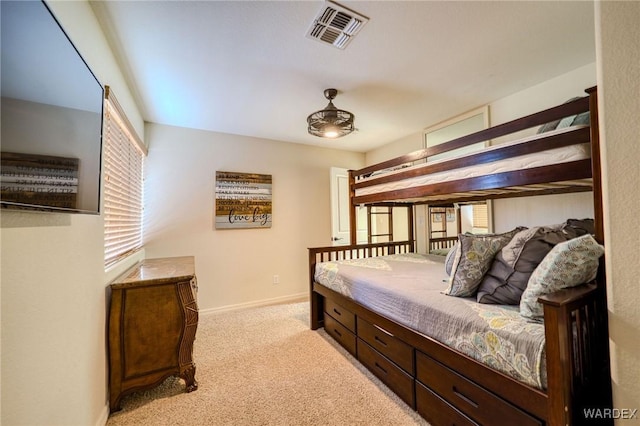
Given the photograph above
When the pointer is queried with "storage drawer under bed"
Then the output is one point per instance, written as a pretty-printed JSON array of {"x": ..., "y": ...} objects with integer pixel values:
[
  {"x": 342, "y": 315},
  {"x": 340, "y": 333},
  {"x": 387, "y": 344},
  {"x": 437, "y": 411},
  {"x": 476, "y": 402},
  {"x": 392, "y": 375}
]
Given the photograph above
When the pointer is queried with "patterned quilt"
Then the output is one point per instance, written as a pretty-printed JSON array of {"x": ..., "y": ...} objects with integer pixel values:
[{"x": 408, "y": 288}]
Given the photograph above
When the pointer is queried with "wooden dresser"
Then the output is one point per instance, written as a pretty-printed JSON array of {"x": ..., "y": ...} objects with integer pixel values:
[{"x": 153, "y": 317}]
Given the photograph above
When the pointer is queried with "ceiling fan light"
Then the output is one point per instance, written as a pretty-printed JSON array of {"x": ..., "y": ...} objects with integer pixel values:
[
  {"x": 331, "y": 132},
  {"x": 330, "y": 122}
]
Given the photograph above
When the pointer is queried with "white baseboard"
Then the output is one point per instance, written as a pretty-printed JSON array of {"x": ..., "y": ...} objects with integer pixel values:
[
  {"x": 104, "y": 416},
  {"x": 292, "y": 298}
]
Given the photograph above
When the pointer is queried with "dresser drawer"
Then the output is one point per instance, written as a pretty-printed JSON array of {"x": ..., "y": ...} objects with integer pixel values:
[
  {"x": 340, "y": 333},
  {"x": 393, "y": 376},
  {"x": 385, "y": 343},
  {"x": 437, "y": 411},
  {"x": 345, "y": 317},
  {"x": 481, "y": 405}
]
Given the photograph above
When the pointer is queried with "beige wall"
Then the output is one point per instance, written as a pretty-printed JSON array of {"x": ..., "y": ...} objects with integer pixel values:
[
  {"x": 394, "y": 149},
  {"x": 236, "y": 267},
  {"x": 53, "y": 285},
  {"x": 618, "y": 52}
]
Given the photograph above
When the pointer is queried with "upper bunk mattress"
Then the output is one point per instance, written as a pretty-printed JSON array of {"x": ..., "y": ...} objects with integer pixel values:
[
  {"x": 408, "y": 288},
  {"x": 551, "y": 156}
]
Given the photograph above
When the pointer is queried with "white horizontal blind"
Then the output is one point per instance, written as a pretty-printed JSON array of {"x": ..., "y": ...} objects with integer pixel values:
[
  {"x": 123, "y": 185},
  {"x": 480, "y": 216}
]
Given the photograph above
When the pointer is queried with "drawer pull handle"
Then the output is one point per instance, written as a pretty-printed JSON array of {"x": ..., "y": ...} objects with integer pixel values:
[
  {"x": 337, "y": 311},
  {"x": 380, "y": 367},
  {"x": 464, "y": 398},
  {"x": 383, "y": 330},
  {"x": 337, "y": 332},
  {"x": 379, "y": 340}
]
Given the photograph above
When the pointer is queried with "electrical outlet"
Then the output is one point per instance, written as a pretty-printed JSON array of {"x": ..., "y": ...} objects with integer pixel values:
[{"x": 276, "y": 279}]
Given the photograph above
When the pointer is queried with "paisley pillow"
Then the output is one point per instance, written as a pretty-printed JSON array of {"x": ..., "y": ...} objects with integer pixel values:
[
  {"x": 472, "y": 259},
  {"x": 568, "y": 264}
]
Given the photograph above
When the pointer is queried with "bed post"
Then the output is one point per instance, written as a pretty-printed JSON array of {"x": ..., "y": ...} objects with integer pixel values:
[
  {"x": 576, "y": 327},
  {"x": 316, "y": 299},
  {"x": 596, "y": 171},
  {"x": 559, "y": 379},
  {"x": 353, "y": 218},
  {"x": 604, "y": 372},
  {"x": 577, "y": 354},
  {"x": 411, "y": 231}
]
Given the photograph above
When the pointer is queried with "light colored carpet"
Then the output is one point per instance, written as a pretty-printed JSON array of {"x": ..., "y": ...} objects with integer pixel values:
[{"x": 264, "y": 366}]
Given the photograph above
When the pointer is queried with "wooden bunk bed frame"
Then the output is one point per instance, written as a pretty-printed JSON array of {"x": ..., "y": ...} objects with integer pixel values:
[
  {"x": 443, "y": 385},
  {"x": 445, "y": 242}
]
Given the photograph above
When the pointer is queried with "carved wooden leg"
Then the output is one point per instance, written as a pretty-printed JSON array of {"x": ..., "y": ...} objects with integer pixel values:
[{"x": 189, "y": 376}]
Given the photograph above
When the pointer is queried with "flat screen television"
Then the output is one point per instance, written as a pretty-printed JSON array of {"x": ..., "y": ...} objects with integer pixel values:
[{"x": 51, "y": 134}]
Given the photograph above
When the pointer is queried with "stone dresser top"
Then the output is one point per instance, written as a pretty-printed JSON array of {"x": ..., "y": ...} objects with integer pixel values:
[{"x": 157, "y": 271}]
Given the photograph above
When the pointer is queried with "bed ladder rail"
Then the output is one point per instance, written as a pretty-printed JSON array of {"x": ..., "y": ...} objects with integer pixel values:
[
  {"x": 577, "y": 346},
  {"x": 442, "y": 243},
  {"x": 354, "y": 251}
]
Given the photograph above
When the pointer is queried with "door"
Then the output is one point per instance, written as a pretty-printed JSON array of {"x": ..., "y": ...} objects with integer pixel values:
[
  {"x": 340, "y": 235},
  {"x": 340, "y": 224}
]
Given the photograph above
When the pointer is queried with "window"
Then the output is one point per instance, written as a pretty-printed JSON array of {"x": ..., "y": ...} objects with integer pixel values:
[
  {"x": 124, "y": 155},
  {"x": 480, "y": 216}
]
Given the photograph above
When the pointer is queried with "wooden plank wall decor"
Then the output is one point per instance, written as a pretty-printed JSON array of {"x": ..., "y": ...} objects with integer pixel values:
[
  {"x": 243, "y": 200},
  {"x": 39, "y": 179}
]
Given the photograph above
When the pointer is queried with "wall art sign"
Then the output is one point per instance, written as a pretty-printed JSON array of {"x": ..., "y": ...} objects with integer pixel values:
[
  {"x": 40, "y": 180},
  {"x": 242, "y": 200}
]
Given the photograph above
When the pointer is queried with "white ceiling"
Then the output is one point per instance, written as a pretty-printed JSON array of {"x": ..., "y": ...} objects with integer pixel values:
[{"x": 246, "y": 67}]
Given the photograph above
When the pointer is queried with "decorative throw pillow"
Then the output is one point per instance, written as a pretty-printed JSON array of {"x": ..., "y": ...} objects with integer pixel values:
[
  {"x": 547, "y": 127},
  {"x": 472, "y": 260},
  {"x": 568, "y": 264},
  {"x": 512, "y": 266},
  {"x": 577, "y": 227},
  {"x": 565, "y": 122},
  {"x": 583, "y": 118},
  {"x": 448, "y": 261},
  {"x": 555, "y": 124}
]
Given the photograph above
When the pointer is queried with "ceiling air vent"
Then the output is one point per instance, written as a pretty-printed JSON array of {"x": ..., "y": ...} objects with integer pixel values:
[{"x": 336, "y": 25}]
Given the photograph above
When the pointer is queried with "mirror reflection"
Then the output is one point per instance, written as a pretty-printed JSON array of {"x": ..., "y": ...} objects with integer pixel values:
[
  {"x": 51, "y": 115},
  {"x": 444, "y": 223}
]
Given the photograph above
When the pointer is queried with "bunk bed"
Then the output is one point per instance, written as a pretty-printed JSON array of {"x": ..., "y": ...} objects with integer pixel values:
[
  {"x": 444, "y": 384},
  {"x": 439, "y": 242}
]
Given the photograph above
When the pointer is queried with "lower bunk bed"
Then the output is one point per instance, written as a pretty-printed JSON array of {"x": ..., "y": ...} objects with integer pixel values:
[{"x": 439, "y": 361}]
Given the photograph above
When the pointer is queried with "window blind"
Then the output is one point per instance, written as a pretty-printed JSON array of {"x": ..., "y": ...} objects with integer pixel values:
[
  {"x": 124, "y": 155},
  {"x": 480, "y": 216}
]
